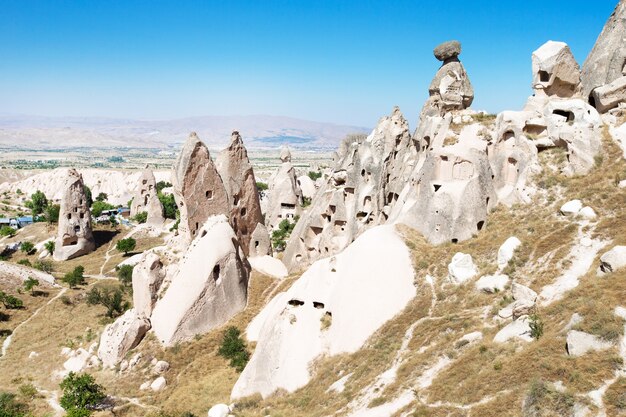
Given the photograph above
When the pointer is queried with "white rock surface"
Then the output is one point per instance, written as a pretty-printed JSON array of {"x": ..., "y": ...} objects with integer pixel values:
[
  {"x": 521, "y": 292},
  {"x": 507, "y": 250},
  {"x": 571, "y": 208},
  {"x": 613, "y": 260},
  {"x": 23, "y": 272},
  {"x": 79, "y": 360},
  {"x": 161, "y": 366},
  {"x": 587, "y": 213},
  {"x": 359, "y": 290},
  {"x": 147, "y": 278},
  {"x": 132, "y": 261},
  {"x": 144, "y": 386},
  {"x": 307, "y": 185},
  {"x": 158, "y": 384},
  {"x": 492, "y": 283},
  {"x": 121, "y": 336},
  {"x": 579, "y": 343},
  {"x": 219, "y": 410},
  {"x": 268, "y": 265},
  {"x": 517, "y": 329},
  {"x": 461, "y": 268}
]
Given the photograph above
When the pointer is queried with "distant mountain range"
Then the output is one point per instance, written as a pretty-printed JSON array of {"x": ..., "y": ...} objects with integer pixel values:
[{"x": 258, "y": 131}]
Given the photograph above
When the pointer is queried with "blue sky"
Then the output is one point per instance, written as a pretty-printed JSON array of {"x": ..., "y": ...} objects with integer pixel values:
[{"x": 346, "y": 62}]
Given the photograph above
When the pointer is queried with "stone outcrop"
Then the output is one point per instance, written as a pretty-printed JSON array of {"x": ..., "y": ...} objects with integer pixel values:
[
  {"x": 148, "y": 275},
  {"x": 607, "y": 60},
  {"x": 461, "y": 268},
  {"x": 555, "y": 70},
  {"x": 147, "y": 200},
  {"x": 451, "y": 88},
  {"x": 74, "y": 235},
  {"x": 610, "y": 95},
  {"x": 337, "y": 304},
  {"x": 198, "y": 188},
  {"x": 580, "y": 343},
  {"x": 613, "y": 260},
  {"x": 285, "y": 196},
  {"x": 260, "y": 244},
  {"x": 236, "y": 172},
  {"x": 121, "y": 336},
  {"x": 210, "y": 286}
]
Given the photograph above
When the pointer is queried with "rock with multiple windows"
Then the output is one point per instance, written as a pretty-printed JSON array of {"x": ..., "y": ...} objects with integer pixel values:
[
  {"x": 147, "y": 200},
  {"x": 285, "y": 196}
]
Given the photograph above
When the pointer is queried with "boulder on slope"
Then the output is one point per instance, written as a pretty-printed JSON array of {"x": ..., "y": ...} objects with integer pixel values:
[{"x": 121, "y": 336}]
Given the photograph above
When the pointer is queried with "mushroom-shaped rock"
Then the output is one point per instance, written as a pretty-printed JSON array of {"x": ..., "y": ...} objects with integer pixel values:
[
  {"x": 74, "y": 236},
  {"x": 238, "y": 176},
  {"x": 328, "y": 311},
  {"x": 147, "y": 200},
  {"x": 461, "y": 268},
  {"x": 121, "y": 336},
  {"x": 492, "y": 283},
  {"x": 148, "y": 275},
  {"x": 555, "y": 70},
  {"x": 580, "y": 343},
  {"x": 613, "y": 260},
  {"x": 607, "y": 59},
  {"x": 209, "y": 288},
  {"x": 507, "y": 250},
  {"x": 198, "y": 188},
  {"x": 219, "y": 410},
  {"x": 447, "y": 50}
]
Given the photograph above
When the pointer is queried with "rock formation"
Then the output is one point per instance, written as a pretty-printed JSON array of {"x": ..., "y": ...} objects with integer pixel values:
[
  {"x": 74, "y": 236},
  {"x": 236, "y": 172},
  {"x": 210, "y": 286},
  {"x": 607, "y": 60},
  {"x": 198, "y": 188},
  {"x": 555, "y": 70},
  {"x": 147, "y": 200},
  {"x": 260, "y": 244},
  {"x": 121, "y": 336},
  {"x": 148, "y": 275},
  {"x": 451, "y": 88},
  {"x": 329, "y": 310},
  {"x": 285, "y": 195}
]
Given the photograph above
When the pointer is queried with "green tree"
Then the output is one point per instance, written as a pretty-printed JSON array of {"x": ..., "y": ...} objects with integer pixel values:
[
  {"x": 125, "y": 274},
  {"x": 279, "y": 236},
  {"x": 38, "y": 203},
  {"x": 113, "y": 220},
  {"x": 169, "y": 205},
  {"x": 261, "y": 186},
  {"x": 161, "y": 185},
  {"x": 7, "y": 231},
  {"x": 75, "y": 278},
  {"x": 49, "y": 246},
  {"x": 99, "y": 206},
  {"x": 88, "y": 196},
  {"x": 81, "y": 392},
  {"x": 234, "y": 348},
  {"x": 314, "y": 175},
  {"x": 126, "y": 245},
  {"x": 52, "y": 213},
  {"x": 102, "y": 197},
  {"x": 27, "y": 247},
  {"x": 141, "y": 217},
  {"x": 30, "y": 284},
  {"x": 10, "y": 302},
  {"x": 112, "y": 300}
]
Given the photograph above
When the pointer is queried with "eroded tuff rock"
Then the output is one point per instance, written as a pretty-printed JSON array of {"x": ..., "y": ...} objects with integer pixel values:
[
  {"x": 607, "y": 60},
  {"x": 364, "y": 183},
  {"x": 329, "y": 310},
  {"x": 209, "y": 287},
  {"x": 260, "y": 244},
  {"x": 147, "y": 200},
  {"x": 451, "y": 88},
  {"x": 555, "y": 70},
  {"x": 121, "y": 336},
  {"x": 148, "y": 275},
  {"x": 285, "y": 195},
  {"x": 198, "y": 188},
  {"x": 74, "y": 235},
  {"x": 236, "y": 172}
]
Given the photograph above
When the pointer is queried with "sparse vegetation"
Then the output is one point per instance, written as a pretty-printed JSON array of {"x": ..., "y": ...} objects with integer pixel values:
[
  {"x": 113, "y": 300},
  {"x": 141, "y": 217},
  {"x": 315, "y": 175},
  {"x": 234, "y": 348},
  {"x": 279, "y": 237},
  {"x": 536, "y": 326},
  {"x": 11, "y": 407},
  {"x": 10, "y": 302},
  {"x": 75, "y": 277},
  {"x": 44, "y": 265}
]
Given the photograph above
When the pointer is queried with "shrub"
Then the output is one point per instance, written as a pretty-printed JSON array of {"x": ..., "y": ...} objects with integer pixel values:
[
  {"x": 234, "y": 348},
  {"x": 141, "y": 217},
  {"x": 7, "y": 231},
  {"x": 74, "y": 278},
  {"x": 30, "y": 284},
  {"x": 161, "y": 185},
  {"x": 279, "y": 237},
  {"x": 261, "y": 186},
  {"x": 27, "y": 247},
  {"x": 536, "y": 326},
  {"x": 38, "y": 203},
  {"x": 24, "y": 262},
  {"x": 10, "y": 407},
  {"x": 99, "y": 206},
  {"x": 49, "y": 246},
  {"x": 44, "y": 265},
  {"x": 125, "y": 274},
  {"x": 102, "y": 197},
  {"x": 314, "y": 175},
  {"x": 126, "y": 245},
  {"x": 52, "y": 213},
  {"x": 306, "y": 201},
  {"x": 169, "y": 205},
  {"x": 80, "y": 392},
  {"x": 10, "y": 302},
  {"x": 88, "y": 196},
  {"x": 28, "y": 391},
  {"x": 112, "y": 300}
]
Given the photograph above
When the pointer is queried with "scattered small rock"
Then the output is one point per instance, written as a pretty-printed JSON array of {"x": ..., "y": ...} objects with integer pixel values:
[
  {"x": 579, "y": 343},
  {"x": 158, "y": 384}
]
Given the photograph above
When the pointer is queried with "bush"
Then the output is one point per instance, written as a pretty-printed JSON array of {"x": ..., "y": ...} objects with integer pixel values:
[
  {"x": 10, "y": 407},
  {"x": 99, "y": 206},
  {"x": 80, "y": 393},
  {"x": 88, "y": 196},
  {"x": 112, "y": 300},
  {"x": 280, "y": 236},
  {"x": 74, "y": 278},
  {"x": 52, "y": 213},
  {"x": 234, "y": 348},
  {"x": 125, "y": 274},
  {"x": 27, "y": 247},
  {"x": 10, "y": 302},
  {"x": 24, "y": 262},
  {"x": 314, "y": 175},
  {"x": 126, "y": 245},
  {"x": 30, "y": 284},
  {"x": 261, "y": 186},
  {"x": 102, "y": 197},
  {"x": 141, "y": 217},
  {"x": 306, "y": 201},
  {"x": 49, "y": 246},
  {"x": 536, "y": 326},
  {"x": 38, "y": 203},
  {"x": 161, "y": 185},
  {"x": 7, "y": 231},
  {"x": 169, "y": 205},
  {"x": 44, "y": 265}
]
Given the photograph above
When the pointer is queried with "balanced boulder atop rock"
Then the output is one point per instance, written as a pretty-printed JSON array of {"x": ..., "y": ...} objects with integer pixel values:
[
  {"x": 447, "y": 50},
  {"x": 74, "y": 235}
]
